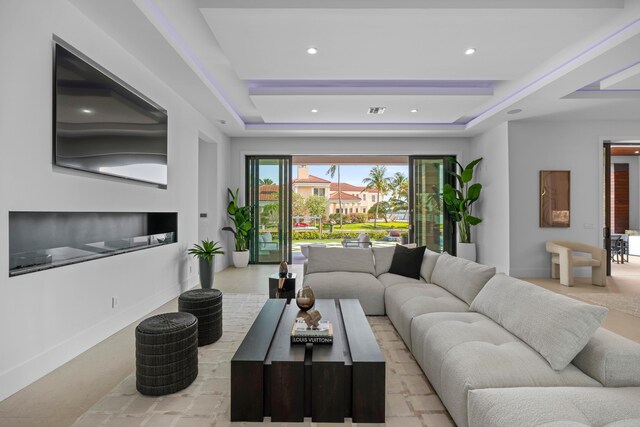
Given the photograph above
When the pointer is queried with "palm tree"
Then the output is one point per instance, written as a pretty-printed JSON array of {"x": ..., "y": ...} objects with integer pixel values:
[
  {"x": 400, "y": 191},
  {"x": 332, "y": 171},
  {"x": 378, "y": 181},
  {"x": 265, "y": 181}
]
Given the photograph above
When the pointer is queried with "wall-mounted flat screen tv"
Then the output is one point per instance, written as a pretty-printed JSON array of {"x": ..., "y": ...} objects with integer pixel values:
[{"x": 102, "y": 126}]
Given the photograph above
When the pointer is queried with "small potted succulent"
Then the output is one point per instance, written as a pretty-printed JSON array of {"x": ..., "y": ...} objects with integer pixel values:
[{"x": 206, "y": 252}]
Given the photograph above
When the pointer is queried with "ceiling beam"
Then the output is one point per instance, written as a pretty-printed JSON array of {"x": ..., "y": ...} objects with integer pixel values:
[
  {"x": 631, "y": 76},
  {"x": 411, "y": 4}
]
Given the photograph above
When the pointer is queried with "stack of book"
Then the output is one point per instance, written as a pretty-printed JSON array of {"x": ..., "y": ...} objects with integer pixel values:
[{"x": 302, "y": 334}]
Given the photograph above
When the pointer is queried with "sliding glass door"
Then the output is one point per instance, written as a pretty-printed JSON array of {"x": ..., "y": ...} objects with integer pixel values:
[
  {"x": 268, "y": 189},
  {"x": 429, "y": 223}
]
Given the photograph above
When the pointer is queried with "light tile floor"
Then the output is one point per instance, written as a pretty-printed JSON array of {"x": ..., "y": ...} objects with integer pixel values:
[{"x": 94, "y": 373}]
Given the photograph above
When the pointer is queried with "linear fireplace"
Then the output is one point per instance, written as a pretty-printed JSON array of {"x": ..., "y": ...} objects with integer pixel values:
[{"x": 43, "y": 240}]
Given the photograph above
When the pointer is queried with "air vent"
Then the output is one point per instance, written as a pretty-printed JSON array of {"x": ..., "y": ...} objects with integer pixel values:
[{"x": 376, "y": 110}]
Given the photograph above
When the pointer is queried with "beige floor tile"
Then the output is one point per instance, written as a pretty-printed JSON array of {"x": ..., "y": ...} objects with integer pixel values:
[
  {"x": 438, "y": 420},
  {"x": 397, "y": 406},
  {"x": 141, "y": 404},
  {"x": 417, "y": 384},
  {"x": 403, "y": 422},
  {"x": 217, "y": 386},
  {"x": 426, "y": 403},
  {"x": 113, "y": 403},
  {"x": 204, "y": 405},
  {"x": 161, "y": 420},
  {"x": 125, "y": 421},
  {"x": 173, "y": 403},
  {"x": 196, "y": 422}
]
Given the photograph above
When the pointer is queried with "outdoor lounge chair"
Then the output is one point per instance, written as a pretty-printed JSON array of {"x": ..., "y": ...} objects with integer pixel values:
[{"x": 363, "y": 241}]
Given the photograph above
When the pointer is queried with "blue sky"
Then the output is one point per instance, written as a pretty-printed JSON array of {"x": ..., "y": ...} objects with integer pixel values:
[{"x": 352, "y": 174}]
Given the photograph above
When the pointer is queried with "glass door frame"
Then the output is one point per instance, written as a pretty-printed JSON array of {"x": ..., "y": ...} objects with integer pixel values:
[
  {"x": 285, "y": 235},
  {"x": 449, "y": 230}
]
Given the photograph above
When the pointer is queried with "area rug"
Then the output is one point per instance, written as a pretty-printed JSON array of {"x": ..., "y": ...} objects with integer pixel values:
[
  {"x": 410, "y": 400},
  {"x": 626, "y": 303}
]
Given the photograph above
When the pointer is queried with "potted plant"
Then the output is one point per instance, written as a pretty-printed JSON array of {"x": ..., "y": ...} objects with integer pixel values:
[
  {"x": 241, "y": 217},
  {"x": 405, "y": 237},
  {"x": 205, "y": 252},
  {"x": 459, "y": 202}
]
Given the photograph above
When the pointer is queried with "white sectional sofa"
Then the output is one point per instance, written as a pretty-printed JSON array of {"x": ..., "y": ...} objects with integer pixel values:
[{"x": 498, "y": 351}]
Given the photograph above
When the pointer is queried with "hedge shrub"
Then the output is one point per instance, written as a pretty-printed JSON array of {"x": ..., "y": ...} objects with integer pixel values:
[{"x": 340, "y": 235}]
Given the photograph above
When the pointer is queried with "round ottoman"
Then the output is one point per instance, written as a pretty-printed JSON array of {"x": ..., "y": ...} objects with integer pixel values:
[
  {"x": 166, "y": 353},
  {"x": 206, "y": 305}
]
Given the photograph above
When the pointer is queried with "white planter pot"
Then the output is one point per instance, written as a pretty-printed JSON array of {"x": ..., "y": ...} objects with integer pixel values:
[
  {"x": 467, "y": 251},
  {"x": 240, "y": 259}
]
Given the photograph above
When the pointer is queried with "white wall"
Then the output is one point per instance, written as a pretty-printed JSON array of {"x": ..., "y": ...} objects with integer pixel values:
[
  {"x": 634, "y": 188},
  {"x": 49, "y": 317},
  {"x": 574, "y": 146},
  {"x": 212, "y": 170},
  {"x": 492, "y": 234}
]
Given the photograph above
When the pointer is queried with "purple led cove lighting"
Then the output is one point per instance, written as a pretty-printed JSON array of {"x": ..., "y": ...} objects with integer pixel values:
[
  {"x": 605, "y": 90},
  {"x": 556, "y": 69},
  {"x": 192, "y": 56},
  {"x": 609, "y": 75},
  {"x": 481, "y": 84}
]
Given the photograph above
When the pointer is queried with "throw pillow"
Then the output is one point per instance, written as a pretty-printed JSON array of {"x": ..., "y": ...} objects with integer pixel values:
[
  {"x": 407, "y": 261},
  {"x": 383, "y": 257},
  {"x": 556, "y": 326}
]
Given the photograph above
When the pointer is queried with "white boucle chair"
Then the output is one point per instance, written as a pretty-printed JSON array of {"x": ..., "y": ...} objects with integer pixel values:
[{"x": 563, "y": 260}]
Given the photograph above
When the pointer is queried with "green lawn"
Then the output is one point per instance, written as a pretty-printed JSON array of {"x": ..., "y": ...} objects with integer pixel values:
[{"x": 369, "y": 226}]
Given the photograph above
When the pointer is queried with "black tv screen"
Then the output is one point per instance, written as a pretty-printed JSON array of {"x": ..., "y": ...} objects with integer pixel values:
[{"x": 103, "y": 127}]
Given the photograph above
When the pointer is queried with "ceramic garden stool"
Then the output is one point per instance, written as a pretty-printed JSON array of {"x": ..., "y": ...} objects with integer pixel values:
[
  {"x": 206, "y": 305},
  {"x": 166, "y": 353}
]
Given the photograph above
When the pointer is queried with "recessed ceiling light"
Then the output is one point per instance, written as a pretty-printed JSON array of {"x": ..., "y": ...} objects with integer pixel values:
[
  {"x": 470, "y": 51},
  {"x": 86, "y": 110},
  {"x": 414, "y": 110},
  {"x": 314, "y": 111},
  {"x": 312, "y": 51},
  {"x": 637, "y": 152},
  {"x": 516, "y": 111}
]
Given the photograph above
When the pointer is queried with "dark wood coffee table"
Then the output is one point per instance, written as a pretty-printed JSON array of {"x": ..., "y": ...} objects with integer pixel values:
[{"x": 272, "y": 378}]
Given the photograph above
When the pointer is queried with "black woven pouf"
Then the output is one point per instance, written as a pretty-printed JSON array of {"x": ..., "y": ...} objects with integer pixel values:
[
  {"x": 206, "y": 305},
  {"x": 166, "y": 353}
]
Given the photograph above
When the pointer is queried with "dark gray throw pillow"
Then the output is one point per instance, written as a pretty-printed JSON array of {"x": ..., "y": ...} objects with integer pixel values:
[{"x": 407, "y": 261}]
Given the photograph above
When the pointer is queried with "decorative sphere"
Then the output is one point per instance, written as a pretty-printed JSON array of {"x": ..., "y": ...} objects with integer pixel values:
[{"x": 305, "y": 298}]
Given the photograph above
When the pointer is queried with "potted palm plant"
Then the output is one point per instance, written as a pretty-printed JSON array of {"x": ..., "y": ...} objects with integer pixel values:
[
  {"x": 206, "y": 252},
  {"x": 459, "y": 202},
  {"x": 241, "y": 217}
]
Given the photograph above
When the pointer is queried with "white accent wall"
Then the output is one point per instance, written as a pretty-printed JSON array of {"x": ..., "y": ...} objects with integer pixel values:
[
  {"x": 49, "y": 317},
  {"x": 555, "y": 145},
  {"x": 492, "y": 234}
]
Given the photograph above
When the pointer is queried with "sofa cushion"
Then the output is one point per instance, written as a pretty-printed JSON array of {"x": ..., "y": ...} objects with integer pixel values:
[
  {"x": 611, "y": 359},
  {"x": 405, "y": 301},
  {"x": 340, "y": 284},
  {"x": 469, "y": 351},
  {"x": 428, "y": 264},
  {"x": 390, "y": 279},
  {"x": 554, "y": 325},
  {"x": 407, "y": 261},
  {"x": 355, "y": 260},
  {"x": 557, "y": 406},
  {"x": 383, "y": 257},
  {"x": 461, "y": 277}
]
